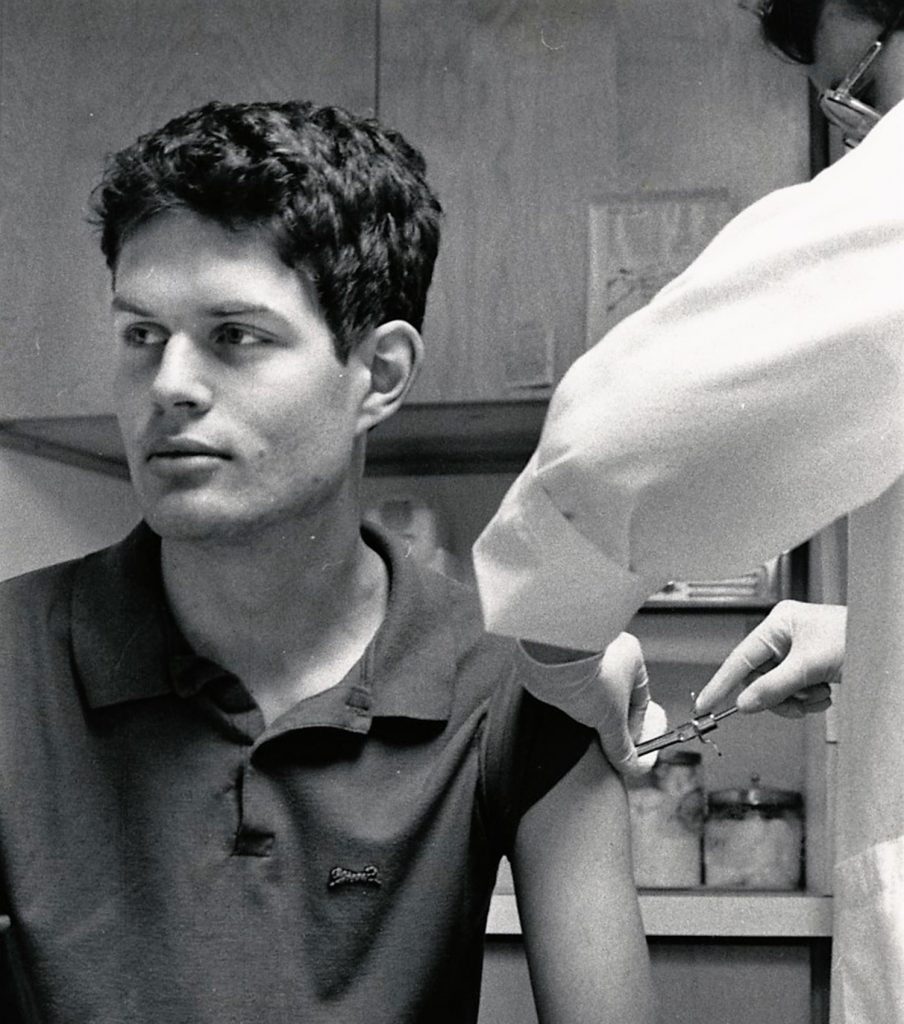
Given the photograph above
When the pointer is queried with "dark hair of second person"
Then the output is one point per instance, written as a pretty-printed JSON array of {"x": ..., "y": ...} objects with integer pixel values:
[{"x": 790, "y": 25}]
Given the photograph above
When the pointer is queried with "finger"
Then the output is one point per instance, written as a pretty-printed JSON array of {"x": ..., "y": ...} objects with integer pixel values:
[
  {"x": 655, "y": 724},
  {"x": 619, "y": 747},
  {"x": 817, "y": 707},
  {"x": 623, "y": 675},
  {"x": 622, "y": 656},
  {"x": 792, "y": 708},
  {"x": 639, "y": 702},
  {"x": 786, "y": 679},
  {"x": 754, "y": 656},
  {"x": 619, "y": 665},
  {"x": 811, "y": 704},
  {"x": 636, "y": 767},
  {"x": 722, "y": 697},
  {"x": 788, "y": 709},
  {"x": 814, "y": 693}
]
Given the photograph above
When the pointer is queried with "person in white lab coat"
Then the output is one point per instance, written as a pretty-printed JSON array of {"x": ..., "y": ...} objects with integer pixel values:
[{"x": 754, "y": 400}]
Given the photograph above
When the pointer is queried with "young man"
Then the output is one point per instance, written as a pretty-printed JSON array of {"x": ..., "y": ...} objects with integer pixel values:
[
  {"x": 753, "y": 401},
  {"x": 256, "y": 764}
]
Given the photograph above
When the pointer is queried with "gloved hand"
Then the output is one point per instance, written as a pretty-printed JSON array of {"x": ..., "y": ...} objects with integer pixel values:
[
  {"x": 608, "y": 692},
  {"x": 628, "y": 714},
  {"x": 786, "y": 664}
]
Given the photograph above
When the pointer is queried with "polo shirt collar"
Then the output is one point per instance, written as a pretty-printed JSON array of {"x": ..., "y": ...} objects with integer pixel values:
[
  {"x": 410, "y": 665},
  {"x": 118, "y": 638},
  {"x": 122, "y": 652}
]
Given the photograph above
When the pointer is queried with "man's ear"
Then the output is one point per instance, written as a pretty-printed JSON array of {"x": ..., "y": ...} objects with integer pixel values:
[{"x": 393, "y": 353}]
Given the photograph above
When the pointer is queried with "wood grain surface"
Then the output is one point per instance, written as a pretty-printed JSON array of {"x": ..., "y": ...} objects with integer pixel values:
[{"x": 81, "y": 78}]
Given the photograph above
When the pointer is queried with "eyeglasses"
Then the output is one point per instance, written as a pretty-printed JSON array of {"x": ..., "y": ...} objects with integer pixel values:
[
  {"x": 788, "y": 25},
  {"x": 839, "y": 105}
]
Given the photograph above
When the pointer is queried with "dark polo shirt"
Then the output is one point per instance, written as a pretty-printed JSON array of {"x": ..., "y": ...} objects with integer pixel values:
[{"x": 164, "y": 857}]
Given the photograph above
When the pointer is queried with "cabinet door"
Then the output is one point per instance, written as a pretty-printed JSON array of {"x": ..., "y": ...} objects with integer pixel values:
[
  {"x": 80, "y": 78},
  {"x": 528, "y": 113}
]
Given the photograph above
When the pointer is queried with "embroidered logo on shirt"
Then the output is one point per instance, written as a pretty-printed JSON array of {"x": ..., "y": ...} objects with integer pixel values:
[{"x": 369, "y": 875}]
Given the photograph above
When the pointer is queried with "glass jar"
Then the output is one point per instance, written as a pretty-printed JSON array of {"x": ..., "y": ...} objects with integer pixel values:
[
  {"x": 753, "y": 838},
  {"x": 666, "y": 808}
]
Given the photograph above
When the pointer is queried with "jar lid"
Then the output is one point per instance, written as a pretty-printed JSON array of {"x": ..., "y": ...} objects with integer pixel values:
[
  {"x": 680, "y": 757},
  {"x": 756, "y": 796}
]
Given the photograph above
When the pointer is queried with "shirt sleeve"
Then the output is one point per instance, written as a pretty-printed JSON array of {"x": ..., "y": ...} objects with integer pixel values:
[
  {"x": 527, "y": 747},
  {"x": 753, "y": 401}
]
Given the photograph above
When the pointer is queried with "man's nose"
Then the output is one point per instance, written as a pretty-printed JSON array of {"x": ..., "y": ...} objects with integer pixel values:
[{"x": 181, "y": 380}]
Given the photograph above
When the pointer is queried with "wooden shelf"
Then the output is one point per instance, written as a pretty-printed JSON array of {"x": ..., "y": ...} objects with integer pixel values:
[
  {"x": 420, "y": 440},
  {"x": 88, "y": 442},
  {"x": 708, "y": 915}
]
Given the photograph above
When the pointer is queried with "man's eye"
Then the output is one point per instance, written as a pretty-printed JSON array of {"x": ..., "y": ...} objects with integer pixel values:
[
  {"x": 141, "y": 335},
  {"x": 233, "y": 334}
]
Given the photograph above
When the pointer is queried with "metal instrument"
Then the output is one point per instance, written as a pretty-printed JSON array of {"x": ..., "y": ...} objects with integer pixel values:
[{"x": 696, "y": 728}]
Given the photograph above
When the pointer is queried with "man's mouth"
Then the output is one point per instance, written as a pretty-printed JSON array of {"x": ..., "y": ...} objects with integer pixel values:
[{"x": 183, "y": 455}]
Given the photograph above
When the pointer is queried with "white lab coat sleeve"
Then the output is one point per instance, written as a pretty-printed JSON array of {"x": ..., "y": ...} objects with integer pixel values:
[
  {"x": 548, "y": 581},
  {"x": 754, "y": 400}
]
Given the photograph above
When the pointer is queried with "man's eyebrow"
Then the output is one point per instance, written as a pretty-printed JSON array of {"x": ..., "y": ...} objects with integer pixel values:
[
  {"x": 121, "y": 305},
  {"x": 239, "y": 310}
]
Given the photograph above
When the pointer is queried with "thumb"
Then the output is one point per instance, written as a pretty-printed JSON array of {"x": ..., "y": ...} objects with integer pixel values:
[
  {"x": 784, "y": 680},
  {"x": 639, "y": 701},
  {"x": 655, "y": 723},
  {"x": 624, "y": 682},
  {"x": 620, "y": 747}
]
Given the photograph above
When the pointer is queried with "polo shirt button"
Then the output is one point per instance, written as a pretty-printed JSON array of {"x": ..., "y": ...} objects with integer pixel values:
[{"x": 253, "y": 844}]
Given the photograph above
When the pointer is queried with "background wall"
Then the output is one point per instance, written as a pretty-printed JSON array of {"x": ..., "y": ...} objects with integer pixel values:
[{"x": 50, "y": 511}]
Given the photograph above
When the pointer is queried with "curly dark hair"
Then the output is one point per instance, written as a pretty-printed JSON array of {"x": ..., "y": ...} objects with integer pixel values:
[
  {"x": 338, "y": 194},
  {"x": 790, "y": 25}
]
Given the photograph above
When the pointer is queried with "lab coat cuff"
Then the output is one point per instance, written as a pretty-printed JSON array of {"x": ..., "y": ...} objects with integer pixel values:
[
  {"x": 541, "y": 579},
  {"x": 572, "y": 686}
]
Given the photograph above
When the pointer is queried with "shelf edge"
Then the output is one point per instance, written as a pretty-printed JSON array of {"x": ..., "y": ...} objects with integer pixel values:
[
  {"x": 708, "y": 915},
  {"x": 68, "y": 455}
]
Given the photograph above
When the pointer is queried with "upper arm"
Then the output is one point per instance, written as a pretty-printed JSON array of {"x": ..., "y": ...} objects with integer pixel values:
[{"x": 578, "y": 904}]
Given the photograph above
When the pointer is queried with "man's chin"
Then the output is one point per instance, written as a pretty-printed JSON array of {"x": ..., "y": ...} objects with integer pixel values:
[{"x": 198, "y": 526}]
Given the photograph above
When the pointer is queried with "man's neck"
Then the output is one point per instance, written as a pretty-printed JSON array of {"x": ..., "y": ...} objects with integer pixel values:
[{"x": 289, "y": 610}]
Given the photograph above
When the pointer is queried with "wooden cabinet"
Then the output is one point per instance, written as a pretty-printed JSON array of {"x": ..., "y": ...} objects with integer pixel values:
[
  {"x": 513, "y": 106},
  {"x": 528, "y": 112},
  {"x": 79, "y": 78}
]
